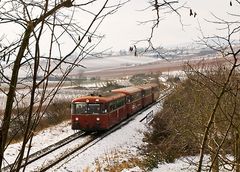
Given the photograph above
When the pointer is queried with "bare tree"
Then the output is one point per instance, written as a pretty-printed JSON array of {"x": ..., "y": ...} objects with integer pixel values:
[
  {"x": 160, "y": 9},
  {"x": 228, "y": 48},
  {"x": 221, "y": 119},
  {"x": 52, "y": 38}
]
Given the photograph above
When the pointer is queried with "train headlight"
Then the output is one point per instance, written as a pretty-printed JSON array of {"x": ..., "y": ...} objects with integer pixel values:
[
  {"x": 98, "y": 119},
  {"x": 76, "y": 119}
]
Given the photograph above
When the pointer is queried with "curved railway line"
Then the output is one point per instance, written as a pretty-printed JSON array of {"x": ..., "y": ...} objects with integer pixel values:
[
  {"x": 41, "y": 153},
  {"x": 88, "y": 141}
]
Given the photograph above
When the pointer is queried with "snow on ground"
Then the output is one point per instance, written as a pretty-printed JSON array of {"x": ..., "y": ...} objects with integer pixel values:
[
  {"x": 91, "y": 64},
  {"x": 182, "y": 164},
  {"x": 125, "y": 140},
  {"x": 95, "y": 64},
  {"x": 41, "y": 140}
]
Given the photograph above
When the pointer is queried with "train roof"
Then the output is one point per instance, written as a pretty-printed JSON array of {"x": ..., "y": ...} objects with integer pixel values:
[
  {"x": 127, "y": 90},
  {"x": 104, "y": 97}
]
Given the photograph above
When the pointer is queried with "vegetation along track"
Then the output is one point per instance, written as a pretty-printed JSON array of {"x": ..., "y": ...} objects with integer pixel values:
[{"x": 89, "y": 140}]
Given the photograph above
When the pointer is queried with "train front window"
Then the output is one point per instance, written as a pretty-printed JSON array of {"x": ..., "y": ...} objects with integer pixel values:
[
  {"x": 86, "y": 108},
  {"x": 79, "y": 108},
  {"x": 94, "y": 108}
]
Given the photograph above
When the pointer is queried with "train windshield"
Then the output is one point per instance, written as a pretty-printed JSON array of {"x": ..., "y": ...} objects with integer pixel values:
[
  {"x": 85, "y": 108},
  {"x": 79, "y": 108},
  {"x": 93, "y": 108}
]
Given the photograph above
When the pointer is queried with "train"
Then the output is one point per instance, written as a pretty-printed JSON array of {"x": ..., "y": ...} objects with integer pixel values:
[{"x": 102, "y": 112}]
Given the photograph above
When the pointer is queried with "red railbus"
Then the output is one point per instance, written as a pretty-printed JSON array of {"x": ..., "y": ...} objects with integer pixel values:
[{"x": 101, "y": 112}]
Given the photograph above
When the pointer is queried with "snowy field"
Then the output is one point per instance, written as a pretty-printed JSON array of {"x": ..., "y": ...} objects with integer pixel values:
[
  {"x": 95, "y": 64},
  {"x": 125, "y": 140}
]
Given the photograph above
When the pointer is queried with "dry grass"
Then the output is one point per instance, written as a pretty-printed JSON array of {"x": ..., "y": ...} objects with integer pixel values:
[
  {"x": 116, "y": 161},
  {"x": 56, "y": 113}
]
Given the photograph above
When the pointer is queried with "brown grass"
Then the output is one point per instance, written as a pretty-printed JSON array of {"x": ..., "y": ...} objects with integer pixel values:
[
  {"x": 116, "y": 161},
  {"x": 56, "y": 113}
]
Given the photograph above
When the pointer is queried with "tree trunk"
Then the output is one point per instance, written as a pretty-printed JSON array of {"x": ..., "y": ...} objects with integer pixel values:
[
  {"x": 237, "y": 152},
  {"x": 214, "y": 157},
  {"x": 11, "y": 93}
]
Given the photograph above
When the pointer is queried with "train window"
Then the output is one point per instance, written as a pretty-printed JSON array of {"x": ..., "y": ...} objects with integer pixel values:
[
  {"x": 139, "y": 95},
  {"x": 104, "y": 108},
  {"x": 116, "y": 104},
  {"x": 121, "y": 102},
  {"x": 79, "y": 108},
  {"x": 94, "y": 108},
  {"x": 128, "y": 99},
  {"x": 112, "y": 105},
  {"x": 136, "y": 96}
]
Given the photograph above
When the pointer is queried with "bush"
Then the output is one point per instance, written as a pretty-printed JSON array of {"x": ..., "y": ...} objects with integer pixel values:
[
  {"x": 56, "y": 113},
  {"x": 144, "y": 78},
  {"x": 178, "y": 129}
]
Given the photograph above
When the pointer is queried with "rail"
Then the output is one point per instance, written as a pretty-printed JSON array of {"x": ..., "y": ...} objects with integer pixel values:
[{"x": 90, "y": 141}]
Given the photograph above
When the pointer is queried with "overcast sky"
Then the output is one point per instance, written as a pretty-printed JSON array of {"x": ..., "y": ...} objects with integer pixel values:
[{"x": 122, "y": 28}]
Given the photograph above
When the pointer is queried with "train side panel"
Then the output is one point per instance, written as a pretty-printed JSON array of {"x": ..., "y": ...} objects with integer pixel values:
[
  {"x": 117, "y": 116},
  {"x": 147, "y": 97},
  {"x": 134, "y": 106},
  {"x": 133, "y": 99},
  {"x": 155, "y": 91}
]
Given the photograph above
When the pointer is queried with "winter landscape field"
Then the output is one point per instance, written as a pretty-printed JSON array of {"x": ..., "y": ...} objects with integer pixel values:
[
  {"x": 54, "y": 52},
  {"x": 124, "y": 142}
]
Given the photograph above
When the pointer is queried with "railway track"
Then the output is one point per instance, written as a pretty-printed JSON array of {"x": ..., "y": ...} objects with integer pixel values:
[
  {"x": 96, "y": 137},
  {"x": 100, "y": 136},
  {"x": 88, "y": 141},
  {"x": 85, "y": 145},
  {"x": 41, "y": 153},
  {"x": 164, "y": 94}
]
